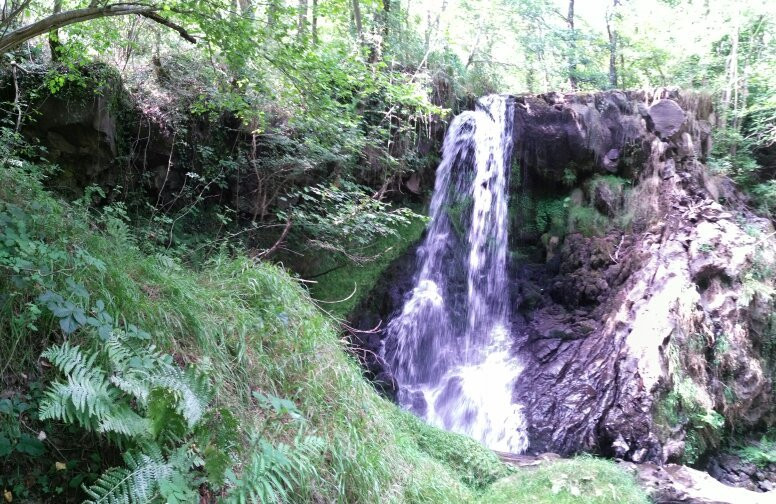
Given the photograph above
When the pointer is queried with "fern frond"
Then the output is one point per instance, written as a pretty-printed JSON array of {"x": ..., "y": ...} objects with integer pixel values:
[
  {"x": 137, "y": 483},
  {"x": 124, "y": 420},
  {"x": 133, "y": 383},
  {"x": 275, "y": 471},
  {"x": 191, "y": 388},
  {"x": 86, "y": 397},
  {"x": 69, "y": 359},
  {"x": 119, "y": 354}
]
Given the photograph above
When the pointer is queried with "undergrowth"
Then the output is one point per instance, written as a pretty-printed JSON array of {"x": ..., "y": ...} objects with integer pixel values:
[{"x": 761, "y": 453}]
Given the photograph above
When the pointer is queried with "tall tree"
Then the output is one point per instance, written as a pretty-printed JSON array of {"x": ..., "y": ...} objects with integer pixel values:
[
  {"x": 572, "y": 48},
  {"x": 611, "y": 30},
  {"x": 315, "y": 22},
  {"x": 53, "y": 36},
  {"x": 273, "y": 10},
  {"x": 11, "y": 39}
]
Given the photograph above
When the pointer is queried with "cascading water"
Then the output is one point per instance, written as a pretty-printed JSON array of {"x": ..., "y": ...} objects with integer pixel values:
[{"x": 450, "y": 347}]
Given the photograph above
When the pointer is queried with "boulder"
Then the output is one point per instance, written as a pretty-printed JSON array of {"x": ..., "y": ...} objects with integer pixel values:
[{"x": 666, "y": 118}]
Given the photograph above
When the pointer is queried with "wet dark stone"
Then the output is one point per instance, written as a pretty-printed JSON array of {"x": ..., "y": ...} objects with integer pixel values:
[{"x": 732, "y": 470}]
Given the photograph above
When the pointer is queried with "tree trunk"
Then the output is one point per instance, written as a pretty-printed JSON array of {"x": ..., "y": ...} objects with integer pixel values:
[
  {"x": 572, "y": 50},
  {"x": 386, "y": 18},
  {"x": 245, "y": 6},
  {"x": 612, "y": 32},
  {"x": 357, "y": 19},
  {"x": 53, "y": 37},
  {"x": 302, "y": 24},
  {"x": 433, "y": 27},
  {"x": 315, "y": 22},
  {"x": 272, "y": 13},
  {"x": 732, "y": 76},
  {"x": 732, "y": 91}
]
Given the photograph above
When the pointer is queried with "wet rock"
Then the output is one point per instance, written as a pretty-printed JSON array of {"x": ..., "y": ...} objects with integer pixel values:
[
  {"x": 606, "y": 200},
  {"x": 588, "y": 131},
  {"x": 677, "y": 484},
  {"x": 683, "y": 273},
  {"x": 611, "y": 160},
  {"x": 734, "y": 471}
]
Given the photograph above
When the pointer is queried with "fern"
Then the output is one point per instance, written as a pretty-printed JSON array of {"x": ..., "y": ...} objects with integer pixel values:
[
  {"x": 121, "y": 385},
  {"x": 136, "y": 483},
  {"x": 275, "y": 471},
  {"x": 86, "y": 397},
  {"x": 192, "y": 390},
  {"x": 125, "y": 421}
]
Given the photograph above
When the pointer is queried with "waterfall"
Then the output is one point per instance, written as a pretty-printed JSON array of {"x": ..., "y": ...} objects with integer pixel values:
[{"x": 450, "y": 346}]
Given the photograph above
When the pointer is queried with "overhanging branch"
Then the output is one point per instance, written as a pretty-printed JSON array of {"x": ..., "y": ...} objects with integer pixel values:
[
  {"x": 169, "y": 24},
  {"x": 58, "y": 20}
]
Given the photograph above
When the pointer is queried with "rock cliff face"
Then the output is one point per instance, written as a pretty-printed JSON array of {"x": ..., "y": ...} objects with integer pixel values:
[
  {"x": 641, "y": 283},
  {"x": 646, "y": 337}
]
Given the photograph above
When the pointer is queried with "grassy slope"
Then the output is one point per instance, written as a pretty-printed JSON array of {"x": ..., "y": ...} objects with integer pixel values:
[{"x": 260, "y": 331}]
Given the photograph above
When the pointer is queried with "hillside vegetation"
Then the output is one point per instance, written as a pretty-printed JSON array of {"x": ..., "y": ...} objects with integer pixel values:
[
  {"x": 160, "y": 381},
  {"x": 194, "y": 195}
]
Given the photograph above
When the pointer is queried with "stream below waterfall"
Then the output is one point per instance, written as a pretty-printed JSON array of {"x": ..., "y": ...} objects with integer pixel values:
[{"x": 450, "y": 346}]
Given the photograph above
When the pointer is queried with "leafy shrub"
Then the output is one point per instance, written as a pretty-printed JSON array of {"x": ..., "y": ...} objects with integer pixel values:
[{"x": 344, "y": 218}]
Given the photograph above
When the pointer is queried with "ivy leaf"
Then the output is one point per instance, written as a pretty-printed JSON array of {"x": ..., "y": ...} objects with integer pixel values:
[
  {"x": 105, "y": 332},
  {"x": 77, "y": 289}
]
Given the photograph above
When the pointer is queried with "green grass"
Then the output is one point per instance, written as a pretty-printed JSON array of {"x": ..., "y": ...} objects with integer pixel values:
[
  {"x": 580, "y": 480},
  {"x": 256, "y": 329}
]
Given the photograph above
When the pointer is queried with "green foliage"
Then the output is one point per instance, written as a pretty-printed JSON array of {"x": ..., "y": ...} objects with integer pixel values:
[
  {"x": 569, "y": 177},
  {"x": 551, "y": 215},
  {"x": 273, "y": 470},
  {"x": 290, "y": 415},
  {"x": 758, "y": 280},
  {"x": 686, "y": 405},
  {"x": 478, "y": 467},
  {"x": 144, "y": 477},
  {"x": 587, "y": 220},
  {"x": 762, "y": 453},
  {"x": 345, "y": 218}
]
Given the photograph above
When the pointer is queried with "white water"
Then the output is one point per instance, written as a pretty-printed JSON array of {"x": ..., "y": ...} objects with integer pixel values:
[{"x": 450, "y": 347}]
